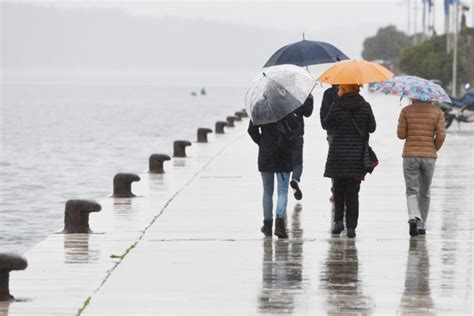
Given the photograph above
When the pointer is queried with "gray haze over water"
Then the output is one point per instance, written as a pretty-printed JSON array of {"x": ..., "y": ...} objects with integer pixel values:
[{"x": 188, "y": 35}]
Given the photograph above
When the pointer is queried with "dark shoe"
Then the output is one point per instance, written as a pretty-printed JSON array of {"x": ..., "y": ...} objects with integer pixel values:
[
  {"x": 351, "y": 232},
  {"x": 413, "y": 230},
  {"x": 421, "y": 231},
  {"x": 338, "y": 228},
  {"x": 280, "y": 230},
  {"x": 267, "y": 227},
  {"x": 296, "y": 190}
]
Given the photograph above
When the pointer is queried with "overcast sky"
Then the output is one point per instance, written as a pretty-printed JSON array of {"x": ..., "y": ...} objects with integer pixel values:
[
  {"x": 313, "y": 17},
  {"x": 344, "y": 24}
]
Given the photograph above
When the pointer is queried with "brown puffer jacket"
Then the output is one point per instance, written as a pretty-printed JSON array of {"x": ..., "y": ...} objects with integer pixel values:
[{"x": 422, "y": 125}]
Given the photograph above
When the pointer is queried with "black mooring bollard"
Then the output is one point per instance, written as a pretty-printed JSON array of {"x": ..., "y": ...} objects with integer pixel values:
[
  {"x": 9, "y": 262},
  {"x": 76, "y": 216},
  {"x": 237, "y": 116},
  {"x": 220, "y": 127},
  {"x": 202, "y": 134},
  {"x": 155, "y": 163},
  {"x": 179, "y": 147},
  {"x": 231, "y": 120},
  {"x": 123, "y": 184},
  {"x": 240, "y": 114}
]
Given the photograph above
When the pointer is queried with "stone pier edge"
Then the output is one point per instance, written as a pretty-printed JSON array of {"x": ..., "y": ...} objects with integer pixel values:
[{"x": 132, "y": 246}]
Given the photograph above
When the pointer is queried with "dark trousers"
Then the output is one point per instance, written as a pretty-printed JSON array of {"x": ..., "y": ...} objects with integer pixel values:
[
  {"x": 329, "y": 139},
  {"x": 346, "y": 194},
  {"x": 298, "y": 159}
]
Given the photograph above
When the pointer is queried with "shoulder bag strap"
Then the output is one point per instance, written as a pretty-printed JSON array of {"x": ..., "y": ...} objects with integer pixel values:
[{"x": 355, "y": 124}]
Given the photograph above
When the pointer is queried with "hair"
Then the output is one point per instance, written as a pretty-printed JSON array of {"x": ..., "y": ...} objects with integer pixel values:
[{"x": 348, "y": 88}]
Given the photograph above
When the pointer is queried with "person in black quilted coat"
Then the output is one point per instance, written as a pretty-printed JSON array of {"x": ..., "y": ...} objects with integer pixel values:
[
  {"x": 328, "y": 99},
  {"x": 344, "y": 161}
]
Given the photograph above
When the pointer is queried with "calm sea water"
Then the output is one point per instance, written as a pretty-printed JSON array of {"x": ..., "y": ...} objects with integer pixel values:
[{"x": 66, "y": 138}]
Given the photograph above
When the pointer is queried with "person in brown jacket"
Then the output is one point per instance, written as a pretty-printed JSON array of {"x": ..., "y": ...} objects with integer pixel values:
[{"x": 421, "y": 124}]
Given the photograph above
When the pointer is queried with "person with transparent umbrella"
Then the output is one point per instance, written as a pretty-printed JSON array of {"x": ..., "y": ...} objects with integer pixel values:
[{"x": 271, "y": 102}]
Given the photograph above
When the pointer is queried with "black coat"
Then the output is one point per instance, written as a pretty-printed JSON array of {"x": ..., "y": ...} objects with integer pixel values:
[
  {"x": 329, "y": 97},
  {"x": 269, "y": 159},
  {"x": 305, "y": 110},
  {"x": 346, "y": 148}
]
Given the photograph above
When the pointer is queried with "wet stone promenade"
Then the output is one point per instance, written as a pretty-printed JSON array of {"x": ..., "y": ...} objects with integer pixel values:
[{"x": 190, "y": 243}]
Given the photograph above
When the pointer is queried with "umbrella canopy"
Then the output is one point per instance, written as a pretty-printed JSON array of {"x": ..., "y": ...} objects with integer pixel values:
[
  {"x": 414, "y": 88},
  {"x": 305, "y": 53},
  {"x": 277, "y": 92},
  {"x": 355, "y": 72}
]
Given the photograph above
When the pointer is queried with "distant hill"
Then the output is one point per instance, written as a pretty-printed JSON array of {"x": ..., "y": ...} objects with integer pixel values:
[{"x": 46, "y": 37}]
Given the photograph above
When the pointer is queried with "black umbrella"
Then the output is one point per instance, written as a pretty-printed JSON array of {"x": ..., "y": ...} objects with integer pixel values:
[{"x": 305, "y": 53}]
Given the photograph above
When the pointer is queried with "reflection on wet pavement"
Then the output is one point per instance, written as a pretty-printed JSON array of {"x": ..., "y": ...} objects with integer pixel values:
[
  {"x": 282, "y": 270},
  {"x": 78, "y": 250},
  {"x": 340, "y": 279},
  {"x": 179, "y": 162},
  {"x": 416, "y": 297},
  {"x": 4, "y": 308},
  {"x": 122, "y": 206}
]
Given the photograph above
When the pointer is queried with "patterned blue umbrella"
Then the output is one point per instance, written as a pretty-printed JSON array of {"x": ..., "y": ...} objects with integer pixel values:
[{"x": 414, "y": 88}]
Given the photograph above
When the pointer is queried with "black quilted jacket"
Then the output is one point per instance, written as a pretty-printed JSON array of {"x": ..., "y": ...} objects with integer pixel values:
[{"x": 344, "y": 158}]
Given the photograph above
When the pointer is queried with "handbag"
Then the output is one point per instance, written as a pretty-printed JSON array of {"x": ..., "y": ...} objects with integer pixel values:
[{"x": 369, "y": 158}]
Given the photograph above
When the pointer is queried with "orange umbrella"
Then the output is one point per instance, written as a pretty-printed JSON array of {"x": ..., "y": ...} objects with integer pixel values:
[{"x": 355, "y": 72}]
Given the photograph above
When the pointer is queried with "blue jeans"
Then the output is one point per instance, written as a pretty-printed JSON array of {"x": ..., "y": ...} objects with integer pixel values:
[{"x": 268, "y": 179}]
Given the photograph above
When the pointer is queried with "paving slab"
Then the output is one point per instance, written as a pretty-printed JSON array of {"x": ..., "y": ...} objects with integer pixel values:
[
  {"x": 190, "y": 243},
  {"x": 206, "y": 256}
]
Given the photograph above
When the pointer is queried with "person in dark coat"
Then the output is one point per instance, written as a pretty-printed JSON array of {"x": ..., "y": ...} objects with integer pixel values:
[
  {"x": 344, "y": 161},
  {"x": 273, "y": 161},
  {"x": 329, "y": 97},
  {"x": 304, "y": 111}
]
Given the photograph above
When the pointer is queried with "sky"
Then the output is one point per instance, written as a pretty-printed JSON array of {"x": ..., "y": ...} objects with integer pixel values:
[
  {"x": 309, "y": 16},
  {"x": 77, "y": 33}
]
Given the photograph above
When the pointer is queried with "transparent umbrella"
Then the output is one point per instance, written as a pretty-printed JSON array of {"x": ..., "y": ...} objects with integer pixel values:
[{"x": 277, "y": 92}]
